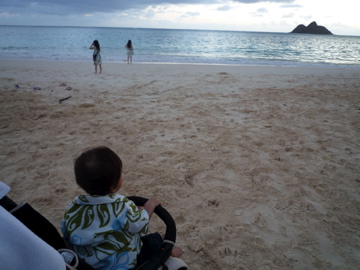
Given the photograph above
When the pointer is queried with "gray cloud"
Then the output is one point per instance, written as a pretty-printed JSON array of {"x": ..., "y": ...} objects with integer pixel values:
[
  {"x": 259, "y": 1},
  {"x": 85, "y": 6},
  {"x": 291, "y": 6},
  {"x": 224, "y": 8},
  {"x": 61, "y": 7},
  {"x": 149, "y": 14},
  {"x": 190, "y": 14},
  {"x": 286, "y": 16},
  {"x": 260, "y": 12}
]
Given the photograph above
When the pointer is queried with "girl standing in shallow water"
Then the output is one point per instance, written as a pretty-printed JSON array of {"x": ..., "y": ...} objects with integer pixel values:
[
  {"x": 96, "y": 55},
  {"x": 130, "y": 51}
]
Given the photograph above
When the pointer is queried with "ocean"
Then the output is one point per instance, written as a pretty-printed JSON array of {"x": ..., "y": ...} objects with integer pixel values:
[{"x": 180, "y": 46}]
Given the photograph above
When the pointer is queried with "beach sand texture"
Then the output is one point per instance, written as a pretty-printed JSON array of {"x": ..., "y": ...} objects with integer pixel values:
[{"x": 259, "y": 166}]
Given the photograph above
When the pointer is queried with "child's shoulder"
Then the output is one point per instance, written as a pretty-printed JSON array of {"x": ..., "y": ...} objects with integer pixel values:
[{"x": 95, "y": 199}]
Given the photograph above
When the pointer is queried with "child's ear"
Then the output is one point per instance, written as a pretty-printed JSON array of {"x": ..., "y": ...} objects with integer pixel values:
[{"x": 119, "y": 185}]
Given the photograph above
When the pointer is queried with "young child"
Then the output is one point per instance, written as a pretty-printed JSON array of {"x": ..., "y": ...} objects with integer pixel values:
[
  {"x": 104, "y": 227},
  {"x": 96, "y": 55}
]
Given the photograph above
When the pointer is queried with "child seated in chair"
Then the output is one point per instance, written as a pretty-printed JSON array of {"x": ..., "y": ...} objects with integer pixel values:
[{"x": 104, "y": 227}]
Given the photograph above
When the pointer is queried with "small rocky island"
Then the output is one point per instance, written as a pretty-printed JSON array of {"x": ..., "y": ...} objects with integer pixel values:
[{"x": 312, "y": 28}]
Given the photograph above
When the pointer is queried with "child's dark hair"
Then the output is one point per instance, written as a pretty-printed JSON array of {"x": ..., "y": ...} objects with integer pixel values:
[
  {"x": 97, "y": 45},
  {"x": 98, "y": 170}
]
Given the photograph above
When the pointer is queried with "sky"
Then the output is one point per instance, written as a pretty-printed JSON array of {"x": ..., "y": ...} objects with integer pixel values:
[{"x": 341, "y": 17}]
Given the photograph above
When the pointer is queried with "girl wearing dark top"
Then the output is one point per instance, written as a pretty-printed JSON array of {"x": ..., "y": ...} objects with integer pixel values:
[
  {"x": 96, "y": 55},
  {"x": 129, "y": 51}
]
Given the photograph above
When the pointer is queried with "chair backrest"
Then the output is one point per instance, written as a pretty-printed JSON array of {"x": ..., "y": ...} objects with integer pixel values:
[{"x": 39, "y": 225}]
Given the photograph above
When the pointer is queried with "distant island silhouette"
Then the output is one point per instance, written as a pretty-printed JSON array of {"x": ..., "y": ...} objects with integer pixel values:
[{"x": 312, "y": 28}]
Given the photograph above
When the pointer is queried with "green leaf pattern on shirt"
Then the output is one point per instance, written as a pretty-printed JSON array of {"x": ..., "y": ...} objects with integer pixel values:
[
  {"x": 83, "y": 198},
  {"x": 92, "y": 219},
  {"x": 79, "y": 215},
  {"x": 118, "y": 207},
  {"x": 103, "y": 212}
]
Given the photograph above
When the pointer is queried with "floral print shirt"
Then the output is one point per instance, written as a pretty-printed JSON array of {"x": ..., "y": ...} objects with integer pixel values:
[{"x": 105, "y": 230}]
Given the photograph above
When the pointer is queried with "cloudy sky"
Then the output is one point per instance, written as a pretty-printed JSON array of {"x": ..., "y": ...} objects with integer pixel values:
[{"x": 341, "y": 17}]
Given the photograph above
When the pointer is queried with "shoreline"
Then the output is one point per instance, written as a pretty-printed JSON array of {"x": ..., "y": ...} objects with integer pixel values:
[
  {"x": 257, "y": 165},
  {"x": 239, "y": 66},
  {"x": 300, "y": 65}
]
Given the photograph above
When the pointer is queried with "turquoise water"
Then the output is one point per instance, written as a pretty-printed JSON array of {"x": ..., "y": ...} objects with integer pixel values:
[{"x": 180, "y": 46}]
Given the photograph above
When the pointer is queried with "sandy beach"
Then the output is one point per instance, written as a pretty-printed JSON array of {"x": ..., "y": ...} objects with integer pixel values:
[{"x": 259, "y": 166}]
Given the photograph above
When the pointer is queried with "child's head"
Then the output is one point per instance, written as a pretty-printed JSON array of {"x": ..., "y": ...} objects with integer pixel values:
[
  {"x": 98, "y": 171},
  {"x": 96, "y": 44}
]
